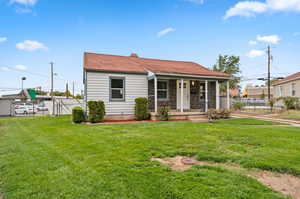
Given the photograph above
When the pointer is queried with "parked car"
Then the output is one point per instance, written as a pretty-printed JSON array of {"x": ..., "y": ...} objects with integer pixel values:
[
  {"x": 41, "y": 108},
  {"x": 24, "y": 110}
]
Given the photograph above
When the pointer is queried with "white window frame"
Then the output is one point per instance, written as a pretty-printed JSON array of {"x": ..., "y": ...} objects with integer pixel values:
[
  {"x": 280, "y": 91},
  {"x": 164, "y": 89},
  {"x": 111, "y": 99},
  {"x": 293, "y": 89}
]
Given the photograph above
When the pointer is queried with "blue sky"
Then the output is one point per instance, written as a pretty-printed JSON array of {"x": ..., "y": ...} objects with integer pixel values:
[{"x": 35, "y": 32}]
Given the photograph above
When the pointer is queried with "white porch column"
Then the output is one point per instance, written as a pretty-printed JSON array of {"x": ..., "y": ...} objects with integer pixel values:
[
  {"x": 181, "y": 96},
  {"x": 228, "y": 96},
  {"x": 155, "y": 94},
  {"x": 206, "y": 95},
  {"x": 217, "y": 95}
]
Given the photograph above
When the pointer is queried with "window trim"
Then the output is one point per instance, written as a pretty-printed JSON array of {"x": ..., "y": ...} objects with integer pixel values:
[
  {"x": 293, "y": 88},
  {"x": 280, "y": 90},
  {"x": 110, "y": 89},
  {"x": 167, "y": 90}
]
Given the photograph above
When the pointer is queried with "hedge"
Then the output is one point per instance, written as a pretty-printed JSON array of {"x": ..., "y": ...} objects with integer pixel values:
[
  {"x": 78, "y": 115},
  {"x": 213, "y": 114},
  {"x": 96, "y": 111},
  {"x": 141, "y": 108}
]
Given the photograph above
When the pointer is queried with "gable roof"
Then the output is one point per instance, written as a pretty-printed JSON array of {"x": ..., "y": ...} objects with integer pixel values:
[
  {"x": 288, "y": 78},
  {"x": 133, "y": 63}
]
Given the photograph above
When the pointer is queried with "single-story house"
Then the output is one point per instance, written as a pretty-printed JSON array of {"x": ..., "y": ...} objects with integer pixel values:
[
  {"x": 289, "y": 86},
  {"x": 186, "y": 87},
  {"x": 257, "y": 92}
]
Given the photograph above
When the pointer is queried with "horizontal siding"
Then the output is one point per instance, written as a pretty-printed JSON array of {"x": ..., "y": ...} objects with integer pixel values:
[
  {"x": 287, "y": 89},
  {"x": 98, "y": 89}
]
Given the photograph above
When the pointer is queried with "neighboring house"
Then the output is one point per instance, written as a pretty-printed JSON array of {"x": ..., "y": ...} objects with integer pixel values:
[
  {"x": 119, "y": 80},
  {"x": 289, "y": 86},
  {"x": 257, "y": 92},
  {"x": 234, "y": 92}
]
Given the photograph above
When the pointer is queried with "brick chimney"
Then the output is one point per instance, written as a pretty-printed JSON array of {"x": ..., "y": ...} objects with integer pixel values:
[{"x": 134, "y": 55}]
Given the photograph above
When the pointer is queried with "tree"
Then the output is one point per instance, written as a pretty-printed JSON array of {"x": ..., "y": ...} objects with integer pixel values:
[
  {"x": 229, "y": 65},
  {"x": 272, "y": 81},
  {"x": 78, "y": 96}
]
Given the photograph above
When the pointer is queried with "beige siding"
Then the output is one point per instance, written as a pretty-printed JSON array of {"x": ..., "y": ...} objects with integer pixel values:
[
  {"x": 98, "y": 89},
  {"x": 287, "y": 89}
]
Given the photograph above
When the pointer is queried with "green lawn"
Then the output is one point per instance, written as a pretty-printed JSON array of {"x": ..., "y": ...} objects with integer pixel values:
[
  {"x": 291, "y": 115},
  {"x": 46, "y": 157}
]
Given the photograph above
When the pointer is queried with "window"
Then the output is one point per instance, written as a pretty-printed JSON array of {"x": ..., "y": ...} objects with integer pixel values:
[
  {"x": 280, "y": 91},
  {"x": 117, "y": 89},
  {"x": 162, "y": 89},
  {"x": 293, "y": 89}
]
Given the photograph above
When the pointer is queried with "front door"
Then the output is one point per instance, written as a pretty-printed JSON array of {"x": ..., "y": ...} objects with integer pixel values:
[{"x": 186, "y": 94}]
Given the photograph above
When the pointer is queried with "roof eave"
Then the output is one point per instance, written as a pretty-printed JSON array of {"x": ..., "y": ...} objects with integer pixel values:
[
  {"x": 194, "y": 76},
  {"x": 285, "y": 81},
  {"x": 115, "y": 71}
]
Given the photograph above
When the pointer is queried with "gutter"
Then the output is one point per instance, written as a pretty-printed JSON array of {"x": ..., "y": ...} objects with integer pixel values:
[
  {"x": 285, "y": 81},
  {"x": 193, "y": 76}
]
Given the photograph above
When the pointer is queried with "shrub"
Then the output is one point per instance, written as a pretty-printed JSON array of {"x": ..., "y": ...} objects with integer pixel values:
[
  {"x": 238, "y": 106},
  {"x": 96, "y": 111},
  {"x": 78, "y": 115},
  {"x": 272, "y": 101},
  {"x": 214, "y": 114},
  {"x": 224, "y": 113},
  {"x": 290, "y": 102},
  {"x": 163, "y": 112},
  {"x": 141, "y": 108}
]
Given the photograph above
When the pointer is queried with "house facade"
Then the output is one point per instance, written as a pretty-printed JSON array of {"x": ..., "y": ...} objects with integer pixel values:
[
  {"x": 184, "y": 86},
  {"x": 254, "y": 92},
  {"x": 289, "y": 86}
]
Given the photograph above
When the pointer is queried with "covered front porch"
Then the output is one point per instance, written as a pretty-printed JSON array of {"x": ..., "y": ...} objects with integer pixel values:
[{"x": 186, "y": 94}]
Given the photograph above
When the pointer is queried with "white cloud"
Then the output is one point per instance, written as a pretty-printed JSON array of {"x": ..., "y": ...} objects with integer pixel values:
[
  {"x": 3, "y": 39},
  {"x": 4, "y": 68},
  {"x": 251, "y": 8},
  {"x": 255, "y": 53},
  {"x": 20, "y": 67},
  {"x": 274, "y": 39},
  {"x": 24, "y": 2},
  {"x": 165, "y": 32},
  {"x": 296, "y": 34},
  {"x": 23, "y": 10},
  {"x": 29, "y": 45},
  {"x": 246, "y": 9},
  {"x": 252, "y": 43},
  {"x": 196, "y": 1},
  {"x": 17, "y": 67}
]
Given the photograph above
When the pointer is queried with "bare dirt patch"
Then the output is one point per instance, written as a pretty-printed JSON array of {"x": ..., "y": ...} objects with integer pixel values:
[{"x": 284, "y": 183}]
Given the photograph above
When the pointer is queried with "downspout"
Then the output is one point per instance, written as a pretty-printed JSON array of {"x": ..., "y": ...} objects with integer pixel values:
[{"x": 85, "y": 90}]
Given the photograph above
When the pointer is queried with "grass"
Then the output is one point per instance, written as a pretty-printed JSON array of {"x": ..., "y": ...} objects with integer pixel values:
[
  {"x": 291, "y": 115},
  {"x": 47, "y": 157}
]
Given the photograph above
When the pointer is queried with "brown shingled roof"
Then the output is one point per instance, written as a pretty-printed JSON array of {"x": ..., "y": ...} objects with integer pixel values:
[
  {"x": 134, "y": 63},
  {"x": 291, "y": 77}
]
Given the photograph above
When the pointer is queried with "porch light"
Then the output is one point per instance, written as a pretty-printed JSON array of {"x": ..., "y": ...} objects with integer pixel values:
[{"x": 193, "y": 83}]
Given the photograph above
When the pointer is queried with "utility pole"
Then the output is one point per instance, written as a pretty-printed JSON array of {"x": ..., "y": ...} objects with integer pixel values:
[
  {"x": 73, "y": 89},
  {"x": 51, "y": 92},
  {"x": 67, "y": 90},
  {"x": 269, "y": 72},
  {"x": 23, "y": 79}
]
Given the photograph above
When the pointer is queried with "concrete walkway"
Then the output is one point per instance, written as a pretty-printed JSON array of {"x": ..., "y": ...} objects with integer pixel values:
[{"x": 267, "y": 118}]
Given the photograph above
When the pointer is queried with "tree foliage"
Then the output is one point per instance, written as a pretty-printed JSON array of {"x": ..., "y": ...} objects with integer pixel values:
[{"x": 229, "y": 65}]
